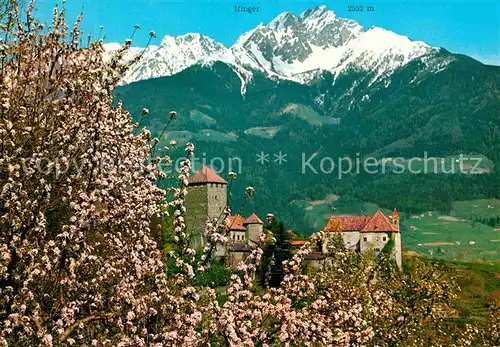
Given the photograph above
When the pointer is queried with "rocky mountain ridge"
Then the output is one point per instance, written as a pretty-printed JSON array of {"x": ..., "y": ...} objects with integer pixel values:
[{"x": 296, "y": 48}]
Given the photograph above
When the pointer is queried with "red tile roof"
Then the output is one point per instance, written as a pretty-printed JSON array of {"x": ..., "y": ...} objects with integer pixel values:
[
  {"x": 297, "y": 242},
  {"x": 253, "y": 219},
  {"x": 347, "y": 223},
  {"x": 206, "y": 175},
  {"x": 379, "y": 222},
  {"x": 376, "y": 223},
  {"x": 236, "y": 223}
]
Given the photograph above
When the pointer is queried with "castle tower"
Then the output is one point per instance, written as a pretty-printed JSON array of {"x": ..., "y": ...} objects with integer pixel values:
[
  {"x": 397, "y": 239},
  {"x": 254, "y": 228},
  {"x": 206, "y": 199}
]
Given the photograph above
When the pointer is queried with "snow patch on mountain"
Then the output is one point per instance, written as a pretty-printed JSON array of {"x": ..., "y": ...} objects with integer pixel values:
[
  {"x": 227, "y": 57},
  {"x": 317, "y": 19},
  {"x": 111, "y": 48},
  {"x": 379, "y": 51}
]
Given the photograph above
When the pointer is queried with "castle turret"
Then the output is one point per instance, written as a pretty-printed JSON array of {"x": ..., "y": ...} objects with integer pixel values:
[
  {"x": 254, "y": 228},
  {"x": 397, "y": 239},
  {"x": 206, "y": 199},
  {"x": 395, "y": 218}
]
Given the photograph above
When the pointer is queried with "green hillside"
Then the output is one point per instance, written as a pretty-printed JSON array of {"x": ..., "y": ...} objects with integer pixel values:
[
  {"x": 447, "y": 237},
  {"x": 479, "y": 289},
  {"x": 416, "y": 113}
]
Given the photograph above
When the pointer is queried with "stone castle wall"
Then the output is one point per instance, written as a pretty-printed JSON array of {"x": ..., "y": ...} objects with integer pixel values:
[
  {"x": 397, "y": 249},
  {"x": 217, "y": 199},
  {"x": 254, "y": 231},
  {"x": 375, "y": 241},
  {"x": 203, "y": 201},
  {"x": 196, "y": 216}
]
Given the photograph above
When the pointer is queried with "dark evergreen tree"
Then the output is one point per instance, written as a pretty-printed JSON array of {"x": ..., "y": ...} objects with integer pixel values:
[{"x": 276, "y": 251}]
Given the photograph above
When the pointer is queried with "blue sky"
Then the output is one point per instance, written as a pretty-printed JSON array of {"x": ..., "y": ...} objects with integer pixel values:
[{"x": 468, "y": 27}]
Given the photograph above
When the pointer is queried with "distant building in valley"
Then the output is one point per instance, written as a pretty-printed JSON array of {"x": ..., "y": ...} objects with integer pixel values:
[{"x": 363, "y": 233}]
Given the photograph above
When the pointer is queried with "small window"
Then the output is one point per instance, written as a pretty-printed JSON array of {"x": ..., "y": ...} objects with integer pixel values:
[
  {"x": 377, "y": 250},
  {"x": 215, "y": 197},
  {"x": 348, "y": 242},
  {"x": 364, "y": 239},
  {"x": 385, "y": 238}
]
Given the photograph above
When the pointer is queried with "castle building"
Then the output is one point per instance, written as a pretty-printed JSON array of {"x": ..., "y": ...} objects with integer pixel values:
[
  {"x": 206, "y": 199},
  {"x": 237, "y": 231},
  {"x": 243, "y": 230},
  {"x": 363, "y": 233},
  {"x": 243, "y": 235},
  {"x": 254, "y": 228}
]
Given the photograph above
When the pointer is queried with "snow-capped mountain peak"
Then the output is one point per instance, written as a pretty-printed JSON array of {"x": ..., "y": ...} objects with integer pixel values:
[
  {"x": 289, "y": 47},
  {"x": 381, "y": 52},
  {"x": 191, "y": 40},
  {"x": 174, "y": 54},
  {"x": 245, "y": 36},
  {"x": 317, "y": 17},
  {"x": 296, "y": 48},
  {"x": 284, "y": 20}
]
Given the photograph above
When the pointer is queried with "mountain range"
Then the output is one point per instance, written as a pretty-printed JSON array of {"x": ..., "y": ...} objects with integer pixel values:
[
  {"x": 289, "y": 47},
  {"x": 316, "y": 84}
]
